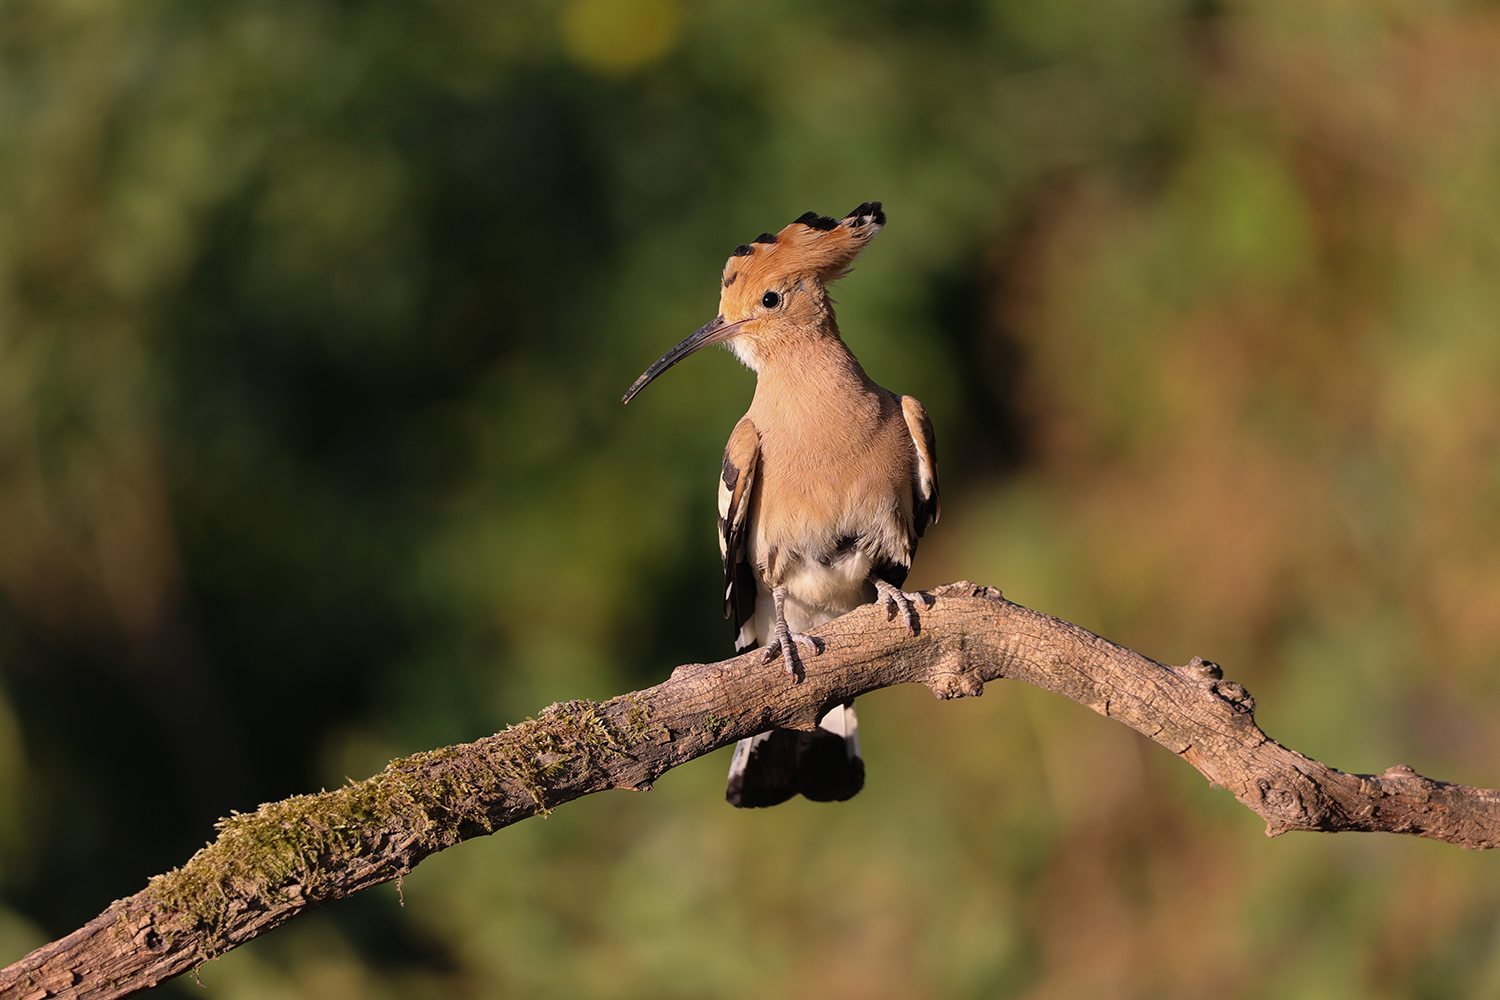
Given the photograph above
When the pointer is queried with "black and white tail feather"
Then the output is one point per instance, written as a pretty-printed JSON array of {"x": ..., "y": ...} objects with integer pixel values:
[{"x": 823, "y": 765}]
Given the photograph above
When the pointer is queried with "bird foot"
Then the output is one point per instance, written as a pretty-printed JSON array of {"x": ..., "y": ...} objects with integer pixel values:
[
  {"x": 784, "y": 643},
  {"x": 895, "y": 599}
]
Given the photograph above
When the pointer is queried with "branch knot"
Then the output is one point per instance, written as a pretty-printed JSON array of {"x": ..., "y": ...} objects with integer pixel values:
[
  {"x": 1237, "y": 697},
  {"x": 1206, "y": 669}
]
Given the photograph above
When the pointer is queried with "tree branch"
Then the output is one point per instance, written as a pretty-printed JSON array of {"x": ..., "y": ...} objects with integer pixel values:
[{"x": 268, "y": 866}]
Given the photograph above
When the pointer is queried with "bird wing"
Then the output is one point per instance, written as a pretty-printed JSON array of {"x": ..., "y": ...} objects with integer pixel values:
[
  {"x": 741, "y": 455},
  {"x": 925, "y": 505}
]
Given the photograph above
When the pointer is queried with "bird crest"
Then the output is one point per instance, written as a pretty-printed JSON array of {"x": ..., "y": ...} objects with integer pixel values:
[
  {"x": 776, "y": 284},
  {"x": 814, "y": 247}
]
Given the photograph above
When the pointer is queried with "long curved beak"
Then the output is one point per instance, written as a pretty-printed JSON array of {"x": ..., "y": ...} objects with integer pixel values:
[{"x": 712, "y": 332}]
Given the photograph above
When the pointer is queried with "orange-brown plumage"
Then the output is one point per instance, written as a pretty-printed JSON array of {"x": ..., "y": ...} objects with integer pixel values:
[{"x": 828, "y": 481}]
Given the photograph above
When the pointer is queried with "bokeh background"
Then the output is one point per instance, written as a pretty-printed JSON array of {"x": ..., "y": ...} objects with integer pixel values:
[{"x": 314, "y": 319}]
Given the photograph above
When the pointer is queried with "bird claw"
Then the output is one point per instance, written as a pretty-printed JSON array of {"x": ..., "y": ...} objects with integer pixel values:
[
  {"x": 786, "y": 649},
  {"x": 895, "y": 599}
]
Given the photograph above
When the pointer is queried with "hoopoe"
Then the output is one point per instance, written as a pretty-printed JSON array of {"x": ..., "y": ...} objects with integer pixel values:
[{"x": 828, "y": 482}]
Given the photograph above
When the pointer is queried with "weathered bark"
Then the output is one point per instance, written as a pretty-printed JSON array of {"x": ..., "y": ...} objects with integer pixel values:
[{"x": 268, "y": 866}]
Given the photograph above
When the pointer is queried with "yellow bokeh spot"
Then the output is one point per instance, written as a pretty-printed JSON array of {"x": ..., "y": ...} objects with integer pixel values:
[{"x": 618, "y": 36}]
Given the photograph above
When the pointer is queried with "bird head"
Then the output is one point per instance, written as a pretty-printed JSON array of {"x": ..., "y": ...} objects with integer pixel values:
[{"x": 778, "y": 284}]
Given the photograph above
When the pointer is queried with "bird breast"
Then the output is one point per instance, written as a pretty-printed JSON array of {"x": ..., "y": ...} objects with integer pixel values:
[{"x": 831, "y": 507}]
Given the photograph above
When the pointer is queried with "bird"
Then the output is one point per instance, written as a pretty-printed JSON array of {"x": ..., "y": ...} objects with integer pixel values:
[{"x": 828, "y": 482}]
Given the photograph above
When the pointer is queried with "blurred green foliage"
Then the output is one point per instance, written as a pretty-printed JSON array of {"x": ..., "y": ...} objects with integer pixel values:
[{"x": 314, "y": 319}]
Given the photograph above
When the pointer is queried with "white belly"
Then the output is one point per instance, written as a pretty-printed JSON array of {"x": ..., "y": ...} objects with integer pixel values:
[{"x": 815, "y": 593}]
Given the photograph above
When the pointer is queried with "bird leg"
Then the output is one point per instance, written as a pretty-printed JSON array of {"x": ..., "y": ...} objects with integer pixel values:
[
  {"x": 895, "y": 599},
  {"x": 784, "y": 638}
]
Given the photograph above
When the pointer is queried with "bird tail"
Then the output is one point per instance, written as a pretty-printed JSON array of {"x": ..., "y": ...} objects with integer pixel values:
[{"x": 823, "y": 765}]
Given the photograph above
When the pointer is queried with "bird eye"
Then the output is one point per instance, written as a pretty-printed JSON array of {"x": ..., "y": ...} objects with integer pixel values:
[{"x": 770, "y": 300}]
